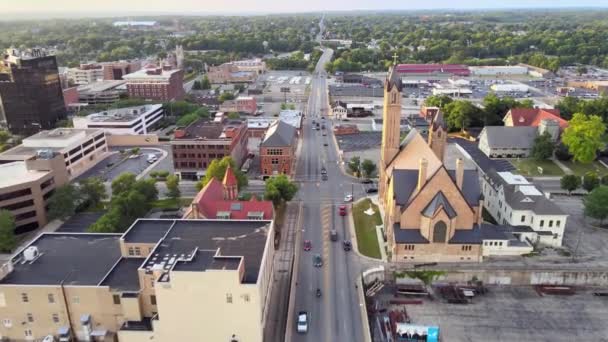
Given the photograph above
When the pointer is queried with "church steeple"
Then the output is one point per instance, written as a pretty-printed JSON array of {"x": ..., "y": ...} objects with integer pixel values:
[
  {"x": 391, "y": 117},
  {"x": 438, "y": 134}
]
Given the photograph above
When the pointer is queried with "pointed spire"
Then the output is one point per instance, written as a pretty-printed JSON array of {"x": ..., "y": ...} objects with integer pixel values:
[
  {"x": 438, "y": 121},
  {"x": 393, "y": 79}
]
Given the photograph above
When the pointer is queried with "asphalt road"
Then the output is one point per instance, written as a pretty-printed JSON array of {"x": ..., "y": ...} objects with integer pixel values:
[{"x": 336, "y": 315}]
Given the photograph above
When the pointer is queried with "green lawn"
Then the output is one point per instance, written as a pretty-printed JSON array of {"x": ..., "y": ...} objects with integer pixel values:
[
  {"x": 529, "y": 167},
  {"x": 169, "y": 203},
  {"x": 580, "y": 169},
  {"x": 365, "y": 227}
]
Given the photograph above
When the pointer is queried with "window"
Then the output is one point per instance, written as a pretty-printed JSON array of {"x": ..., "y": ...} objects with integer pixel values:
[
  {"x": 116, "y": 299},
  {"x": 153, "y": 299},
  {"x": 131, "y": 251},
  {"x": 246, "y": 298},
  {"x": 7, "y": 322},
  {"x": 409, "y": 247},
  {"x": 75, "y": 300},
  {"x": 523, "y": 218},
  {"x": 28, "y": 333},
  {"x": 51, "y": 298},
  {"x": 550, "y": 223},
  {"x": 30, "y": 318},
  {"x": 25, "y": 298},
  {"x": 137, "y": 251},
  {"x": 467, "y": 247},
  {"x": 542, "y": 223},
  {"x": 557, "y": 223},
  {"x": 55, "y": 318},
  {"x": 439, "y": 232},
  {"x": 274, "y": 161},
  {"x": 229, "y": 298}
]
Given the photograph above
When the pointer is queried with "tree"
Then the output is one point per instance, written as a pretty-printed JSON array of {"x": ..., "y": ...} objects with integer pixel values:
[
  {"x": 354, "y": 165},
  {"x": 226, "y": 96},
  {"x": 570, "y": 183},
  {"x": 459, "y": 114},
  {"x": 123, "y": 183},
  {"x": 234, "y": 115},
  {"x": 583, "y": 137},
  {"x": 107, "y": 223},
  {"x": 147, "y": 188},
  {"x": 568, "y": 106},
  {"x": 590, "y": 181},
  {"x": 8, "y": 241},
  {"x": 173, "y": 187},
  {"x": 205, "y": 84},
  {"x": 596, "y": 203},
  {"x": 93, "y": 190},
  {"x": 581, "y": 70},
  {"x": 279, "y": 189},
  {"x": 368, "y": 168},
  {"x": 604, "y": 180},
  {"x": 63, "y": 203},
  {"x": 217, "y": 169},
  {"x": 561, "y": 152},
  {"x": 187, "y": 119},
  {"x": 197, "y": 85},
  {"x": 543, "y": 147},
  {"x": 438, "y": 101}
]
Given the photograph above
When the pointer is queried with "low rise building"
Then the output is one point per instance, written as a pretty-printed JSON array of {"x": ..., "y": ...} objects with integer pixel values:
[
  {"x": 432, "y": 69},
  {"x": 194, "y": 147},
  {"x": 291, "y": 117},
  {"x": 230, "y": 73},
  {"x": 502, "y": 70},
  {"x": 256, "y": 65},
  {"x": 277, "y": 150},
  {"x": 345, "y": 129},
  {"x": 156, "y": 83},
  {"x": 129, "y": 120},
  {"x": 533, "y": 117},
  {"x": 242, "y": 104},
  {"x": 515, "y": 141},
  {"x": 512, "y": 200},
  {"x": 339, "y": 111},
  {"x": 88, "y": 73},
  {"x": 165, "y": 280},
  {"x": 102, "y": 92},
  {"x": 78, "y": 149}
]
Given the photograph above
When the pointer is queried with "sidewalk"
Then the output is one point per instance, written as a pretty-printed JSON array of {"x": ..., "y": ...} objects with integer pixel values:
[
  {"x": 562, "y": 166},
  {"x": 381, "y": 242}
]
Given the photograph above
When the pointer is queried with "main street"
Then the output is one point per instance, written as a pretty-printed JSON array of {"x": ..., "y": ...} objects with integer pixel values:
[{"x": 336, "y": 315}]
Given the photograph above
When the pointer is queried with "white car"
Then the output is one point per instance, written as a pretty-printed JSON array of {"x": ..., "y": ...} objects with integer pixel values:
[
  {"x": 348, "y": 198},
  {"x": 302, "y": 322}
]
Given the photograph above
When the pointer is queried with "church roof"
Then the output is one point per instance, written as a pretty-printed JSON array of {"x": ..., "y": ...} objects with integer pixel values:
[
  {"x": 438, "y": 202},
  {"x": 393, "y": 79},
  {"x": 229, "y": 177},
  {"x": 412, "y": 148},
  {"x": 408, "y": 235},
  {"x": 470, "y": 186},
  {"x": 404, "y": 185},
  {"x": 438, "y": 121}
]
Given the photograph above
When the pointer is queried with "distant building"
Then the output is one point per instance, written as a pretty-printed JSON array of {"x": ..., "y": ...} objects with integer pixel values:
[
  {"x": 428, "y": 113},
  {"x": 433, "y": 69},
  {"x": 102, "y": 92},
  {"x": 292, "y": 117},
  {"x": 533, "y": 117},
  {"x": 88, "y": 73},
  {"x": 507, "y": 70},
  {"x": 70, "y": 96},
  {"x": 242, "y": 104},
  {"x": 230, "y": 73},
  {"x": 536, "y": 71},
  {"x": 345, "y": 129},
  {"x": 256, "y": 65},
  {"x": 340, "y": 112},
  {"x": 140, "y": 24},
  {"x": 512, "y": 200},
  {"x": 197, "y": 145},
  {"x": 156, "y": 83},
  {"x": 31, "y": 98},
  {"x": 129, "y": 120},
  {"x": 514, "y": 141},
  {"x": 510, "y": 88},
  {"x": 277, "y": 150}
]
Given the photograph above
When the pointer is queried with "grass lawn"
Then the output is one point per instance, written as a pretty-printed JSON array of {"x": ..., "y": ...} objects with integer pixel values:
[
  {"x": 169, "y": 203},
  {"x": 529, "y": 167},
  {"x": 365, "y": 226},
  {"x": 580, "y": 169}
]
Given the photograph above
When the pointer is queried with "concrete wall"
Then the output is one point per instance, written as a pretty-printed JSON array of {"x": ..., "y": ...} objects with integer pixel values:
[{"x": 132, "y": 140}]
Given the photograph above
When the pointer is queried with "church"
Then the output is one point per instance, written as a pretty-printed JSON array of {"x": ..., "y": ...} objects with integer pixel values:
[{"x": 432, "y": 214}]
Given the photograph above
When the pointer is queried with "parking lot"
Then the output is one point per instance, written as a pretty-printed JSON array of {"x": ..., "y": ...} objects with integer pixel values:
[
  {"x": 118, "y": 163},
  {"x": 297, "y": 81},
  {"x": 515, "y": 313},
  {"x": 80, "y": 222}
]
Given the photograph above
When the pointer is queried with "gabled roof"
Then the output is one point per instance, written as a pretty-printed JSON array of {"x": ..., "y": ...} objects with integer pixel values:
[
  {"x": 437, "y": 203},
  {"x": 210, "y": 201},
  {"x": 438, "y": 121},
  {"x": 279, "y": 134},
  {"x": 470, "y": 186},
  {"x": 533, "y": 116},
  {"x": 229, "y": 178},
  {"x": 393, "y": 79},
  {"x": 510, "y": 137}
]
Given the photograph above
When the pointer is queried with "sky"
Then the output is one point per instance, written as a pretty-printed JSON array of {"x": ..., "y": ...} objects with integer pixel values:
[{"x": 265, "y": 6}]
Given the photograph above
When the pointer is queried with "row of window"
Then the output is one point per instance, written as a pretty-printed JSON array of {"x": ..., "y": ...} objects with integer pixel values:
[
  {"x": 274, "y": 151},
  {"x": 208, "y": 147},
  {"x": 198, "y": 155},
  {"x": 492, "y": 243},
  {"x": 116, "y": 299},
  {"x": 245, "y": 297},
  {"x": 30, "y": 319},
  {"x": 15, "y": 194},
  {"x": 191, "y": 165},
  {"x": 18, "y": 205}
]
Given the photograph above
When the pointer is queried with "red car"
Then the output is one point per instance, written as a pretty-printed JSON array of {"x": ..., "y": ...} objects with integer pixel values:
[
  {"x": 342, "y": 210},
  {"x": 307, "y": 245}
]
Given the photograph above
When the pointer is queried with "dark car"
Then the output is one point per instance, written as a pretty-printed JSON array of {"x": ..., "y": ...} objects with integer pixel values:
[
  {"x": 371, "y": 190},
  {"x": 366, "y": 181},
  {"x": 347, "y": 245},
  {"x": 324, "y": 177},
  {"x": 317, "y": 260},
  {"x": 323, "y": 170},
  {"x": 325, "y": 144}
]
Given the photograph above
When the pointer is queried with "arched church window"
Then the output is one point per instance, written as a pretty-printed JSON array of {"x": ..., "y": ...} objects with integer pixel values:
[
  {"x": 439, "y": 133},
  {"x": 439, "y": 232},
  {"x": 394, "y": 98}
]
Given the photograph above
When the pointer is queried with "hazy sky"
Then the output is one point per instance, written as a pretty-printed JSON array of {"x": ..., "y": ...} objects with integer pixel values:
[{"x": 236, "y": 6}]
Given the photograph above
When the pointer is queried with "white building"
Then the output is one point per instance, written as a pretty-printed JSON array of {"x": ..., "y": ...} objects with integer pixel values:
[
  {"x": 498, "y": 70},
  {"x": 512, "y": 200},
  {"x": 292, "y": 117},
  {"x": 339, "y": 112},
  {"x": 130, "y": 120},
  {"x": 510, "y": 88},
  {"x": 85, "y": 76},
  {"x": 256, "y": 65}
]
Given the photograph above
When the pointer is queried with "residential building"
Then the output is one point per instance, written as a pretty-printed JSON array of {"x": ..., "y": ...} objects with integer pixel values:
[
  {"x": 512, "y": 200},
  {"x": 129, "y": 120},
  {"x": 88, "y": 73},
  {"x": 162, "y": 280},
  {"x": 339, "y": 111},
  {"x": 256, "y": 129},
  {"x": 230, "y": 73},
  {"x": 85, "y": 74},
  {"x": 219, "y": 200},
  {"x": 242, "y": 104},
  {"x": 514, "y": 141},
  {"x": 256, "y": 65},
  {"x": 277, "y": 150},
  {"x": 433, "y": 69},
  {"x": 78, "y": 149},
  {"x": 102, "y": 92},
  {"x": 431, "y": 214},
  {"x": 31, "y": 98},
  {"x": 292, "y": 117},
  {"x": 194, "y": 147},
  {"x": 533, "y": 117},
  {"x": 156, "y": 83}
]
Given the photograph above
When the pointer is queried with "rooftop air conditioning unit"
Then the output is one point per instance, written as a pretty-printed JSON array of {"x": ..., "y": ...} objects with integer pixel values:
[{"x": 31, "y": 253}]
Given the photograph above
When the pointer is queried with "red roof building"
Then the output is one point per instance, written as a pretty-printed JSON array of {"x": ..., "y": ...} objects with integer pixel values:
[
  {"x": 218, "y": 200},
  {"x": 532, "y": 117},
  {"x": 454, "y": 69}
]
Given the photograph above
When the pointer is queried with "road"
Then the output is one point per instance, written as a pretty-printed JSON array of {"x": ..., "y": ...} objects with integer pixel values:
[{"x": 336, "y": 315}]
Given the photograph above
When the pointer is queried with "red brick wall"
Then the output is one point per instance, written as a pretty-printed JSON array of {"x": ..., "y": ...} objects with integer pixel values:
[{"x": 284, "y": 161}]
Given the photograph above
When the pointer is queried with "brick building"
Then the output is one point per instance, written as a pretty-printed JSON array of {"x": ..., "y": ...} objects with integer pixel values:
[
  {"x": 156, "y": 83},
  {"x": 197, "y": 145},
  {"x": 242, "y": 104},
  {"x": 229, "y": 73},
  {"x": 277, "y": 150}
]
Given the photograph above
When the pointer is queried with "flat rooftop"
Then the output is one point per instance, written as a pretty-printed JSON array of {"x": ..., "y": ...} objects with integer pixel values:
[
  {"x": 123, "y": 114},
  {"x": 147, "y": 231},
  {"x": 55, "y": 140},
  {"x": 205, "y": 129},
  {"x": 100, "y": 86},
  {"x": 71, "y": 259},
  {"x": 17, "y": 173},
  {"x": 124, "y": 276}
]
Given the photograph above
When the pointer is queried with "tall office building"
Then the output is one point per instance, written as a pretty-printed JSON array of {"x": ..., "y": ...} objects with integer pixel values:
[{"x": 31, "y": 98}]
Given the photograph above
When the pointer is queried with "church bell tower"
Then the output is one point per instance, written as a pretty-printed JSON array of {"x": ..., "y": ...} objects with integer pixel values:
[{"x": 391, "y": 126}]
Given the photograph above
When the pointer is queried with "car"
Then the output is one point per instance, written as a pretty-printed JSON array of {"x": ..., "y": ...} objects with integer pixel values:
[
  {"x": 323, "y": 170},
  {"x": 322, "y": 126},
  {"x": 347, "y": 245},
  {"x": 324, "y": 177},
  {"x": 348, "y": 198},
  {"x": 325, "y": 144},
  {"x": 307, "y": 245},
  {"x": 317, "y": 260},
  {"x": 371, "y": 190},
  {"x": 366, "y": 181},
  {"x": 302, "y": 322},
  {"x": 342, "y": 210},
  {"x": 324, "y": 134},
  {"x": 333, "y": 235}
]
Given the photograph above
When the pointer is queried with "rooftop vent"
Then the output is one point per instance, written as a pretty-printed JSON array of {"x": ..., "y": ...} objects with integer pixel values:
[{"x": 31, "y": 253}]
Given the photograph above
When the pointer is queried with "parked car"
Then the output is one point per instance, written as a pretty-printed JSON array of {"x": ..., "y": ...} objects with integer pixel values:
[
  {"x": 366, "y": 181},
  {"x": 342, "y": 210},
  {"x": 324, "y": 177},
  {"x": 152, "y": 158},
  {"x": 325, "y": 144},
  {"x": 333, "y": 235},
  {"x": 371, "y": 190},
  {"x": 302, "y": 322},
  {"x": 323, "y": 170},
  {"x": 317, "y": 260},
  {"x": 307, "y": 245},
  {"x": 348, "y": 198},
  {"x": 347, "y": 245}
]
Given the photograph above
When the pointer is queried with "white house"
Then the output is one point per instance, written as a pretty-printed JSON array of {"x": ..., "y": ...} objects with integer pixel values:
[
  {"x": 512, "y": 200},
  {"x": 340, "y": 112}
]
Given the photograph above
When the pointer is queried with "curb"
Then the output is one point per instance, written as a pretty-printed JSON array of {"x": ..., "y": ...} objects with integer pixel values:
[{"x": 145, "y": 172}]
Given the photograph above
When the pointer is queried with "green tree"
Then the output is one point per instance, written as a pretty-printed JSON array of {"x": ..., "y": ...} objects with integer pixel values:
[
  {"x": 226, "y": 96},
  {"x": 354, "y": 165},
  {"x": 596, "y": 203},
  {"x": 217, "y": 169},
  {"x": 570, "y": 183},
  {"x": 583, "y": 137},
  {"x": 147, "y": 188},
  {"x": 590, "y": 181},
  {"x": 108, "y": 222},
  {"x": 279, "y": 189},
  {"x": 187, "y": 119},
  {"x": 123, "y": 183},
  {"x": 205, "y": 84},
  {"x": 63, "y": 202},
  {"x": 93, "y": 190},
  {"x": 234, "y": 115},
  {"x": 197, "y": 85},
  {"x": 368, "y": 168},
  {"x": 568, "y": 106},
  {"x": 173, "y": 187},
  {"x": 459, "y": 114},
  {"x": 543, "y": 147},
  {"x": 8, "y": 241},
  {"x": 440, "y": 101},
  {"x": 581, "y": 70}
]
